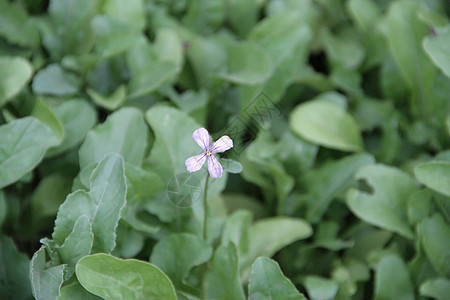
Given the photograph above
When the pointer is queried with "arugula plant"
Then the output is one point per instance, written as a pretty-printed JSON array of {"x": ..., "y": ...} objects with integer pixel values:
[{"x": 329, "y": 177}]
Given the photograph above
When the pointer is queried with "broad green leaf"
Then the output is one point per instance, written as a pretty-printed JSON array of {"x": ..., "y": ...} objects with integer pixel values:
[
  {"x": 438, "y": 48},
  {"x": 102, "y": 205},
  {"x": 16, "y": 26},
  {"x": 168, "y": 47},
  {"x": 222, "y": 280},
  {"x": 177, "y": 254},
  {"x": 235, "y": 230},
  {"x": 267, "y": 236},
  {"x": 325, "y": 183},
  {"x": 141, "y": 183},
  {"x": 43, "y": 113},
  {"x": 148, "y": 72},
  {"x": 111, "y": 102},
  {"x": 385, "y": 204},
  {"x": 77, "y": 244},
  {"x": 343, "y": 50},
  {"x": 392, "y": 279},
  {"x": 14, "y": 271},
  {"x": 124, "y": 132},
  {"x": 114, "y": 278},
  {"x": 130, "y": 12},
  {"x": 435, "y": 288},
  {"x": 46, "y": 282},
  {"x": 242, "y": 15},
  {"x": 248, "y": 63},
  {"x": 15, "y": 72},
  {"x": 113, "y": 36},
  {"x": 405, "y": 33},
  {"x": 434, "y": 235},
  {"x": 268, "y": 282},
  {"x": 435, "y": 175},
  {"x": 77, "y": 117},
  {"x": 54, "y": 80},
  {"x": 321, "y": 288},
  {"x": 419, "y": 204},
  {"x": 24, "y": 143},
  {"x": 50, "y": 194},
  {"x": 74, "y": 291},
  {"x": 326, "y": 124}
]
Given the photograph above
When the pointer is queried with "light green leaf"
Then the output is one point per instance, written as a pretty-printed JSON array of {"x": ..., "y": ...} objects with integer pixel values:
[
  {"x": 43, "y": 113},
  {"x": 130, "y": 12},
  {"x": 268, "y": 282},
  {"x": 46, "y": 282},
  {"x": 115, "y": 278},
  {"x": 222, "y": 281},
  {"x": 248, "y": 64},
  {"x": 111, "y": 102},
  {"x": 326, "y": 124},
  {"x": 24, "y": 143},
  {"x": 77, "y": 244},
  {"x": 392, "y": 280},
  {"x": 14, "y": 271},
  {"x": 16, "y": 26},
  {"x": 50, "y": 194},
  {"x": 77, "y": 117},
  {"x": 14, "y": 75},
  {"x": 124, "y": 132},
  {"x": 435, "y": 288},
  {"x": 102, "y": 205},
  {"x": 321, "y": 288},
  {"x": 323, "y": 184},
  {"x": 74, "y": 291},
  {"x": 385, "y": 204},
  {"x": 435, "y": 175},
  {"x": 177, "y": 254},
  {"x": 438, "y": 48},
  {"x": 419, "y": 204},
  {"x": 434, "y": 235},
  {"x": 54, "y": 80}
]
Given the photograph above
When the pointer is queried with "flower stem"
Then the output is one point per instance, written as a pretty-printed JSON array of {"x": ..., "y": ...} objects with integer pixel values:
[{"x": 205, "y": 211}]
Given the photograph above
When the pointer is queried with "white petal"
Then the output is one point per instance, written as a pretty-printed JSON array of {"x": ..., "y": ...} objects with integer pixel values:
[
  {"x": 222, "y": 144},
  {"x": 214, "y": 167},
  {"x": 201, "y": 136},
  {"x": 195, "y": 163}
]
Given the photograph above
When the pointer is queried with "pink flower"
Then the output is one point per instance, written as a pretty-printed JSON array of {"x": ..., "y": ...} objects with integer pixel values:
[{"x": 195, "y": 163}]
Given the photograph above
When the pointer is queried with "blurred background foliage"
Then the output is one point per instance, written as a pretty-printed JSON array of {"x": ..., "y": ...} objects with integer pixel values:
[{"x": 345, "y": 156}]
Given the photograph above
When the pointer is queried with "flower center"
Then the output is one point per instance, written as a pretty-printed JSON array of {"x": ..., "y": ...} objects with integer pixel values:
[{"x": 208, "y": 153}]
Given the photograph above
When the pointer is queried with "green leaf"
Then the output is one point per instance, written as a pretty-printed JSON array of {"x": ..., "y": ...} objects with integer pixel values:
[
  {"x": 434, "y": 235},
  {"x": 54, "y": 80},
  {"x": 177, "y": 254},
  {"x": 77, "y": 117},
  {"x": 435, "y": 288},
  {"x": 392, "y": 279},
  {"x": 24, "y": 143},
  {"x": 438, "y": 48},
  {"x": 111, "y": 102},
  {"x": 267, "y": 236},
  {"x": 46, "y": 282},
  {"x": 222, "y": 281},
  {"x": 124, "y": 132},
  {"x": 385, "y": 203},
  {"x": 77, "y": 244},
  {"x": 115, "y": 278},
  {"x": 326, "y": 124},
  {"x": 325, "y": 183},
  {"x": 15, "y": 72},
  {"x": 130, "y": 12},
  {"x": 74, "y": 291},
  {"x": 248, "y": 64},
  {"x": 14, "y": 271},
  {"x": 419, "y": 204},
  {"x": 50, "y": 194},
  {"x": 16, "y": 26},
  {"x": 147, "y": 71},
  {"x": 3, "y": 208},
  {"x": 43, "y": 113},
  {"x": 321, "y": 288},
  {"x": 102, "y": 205},
  {"x": 268, "y": 282},
  {"x": 405, "y": 33},
  {"x": 435, "y": 175}
]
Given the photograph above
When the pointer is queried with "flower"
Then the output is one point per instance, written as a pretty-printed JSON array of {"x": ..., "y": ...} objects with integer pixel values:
[{"x": 195, "y": 163}]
